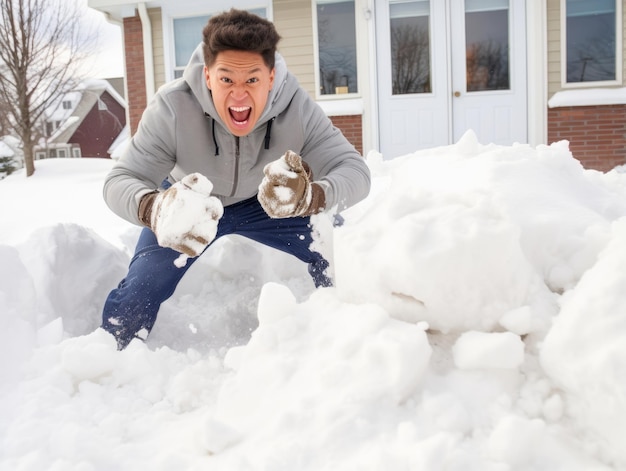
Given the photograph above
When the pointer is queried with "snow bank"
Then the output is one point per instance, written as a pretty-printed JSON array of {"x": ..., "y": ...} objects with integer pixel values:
[
  {"x": 585, "y": 350},
  {"x": 477, "y": 324}
]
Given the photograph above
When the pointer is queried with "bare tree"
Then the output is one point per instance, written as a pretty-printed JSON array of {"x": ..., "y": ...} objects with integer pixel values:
[
  {"x": 5, "y": 123},
  {"x": 410, "y": 59},
  {"x": 42, "y": 44},
  {"x": 487, "y": 66}
]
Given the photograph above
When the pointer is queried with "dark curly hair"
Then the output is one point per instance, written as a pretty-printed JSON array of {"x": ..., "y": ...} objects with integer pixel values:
[{"x": 239, "y": 30}]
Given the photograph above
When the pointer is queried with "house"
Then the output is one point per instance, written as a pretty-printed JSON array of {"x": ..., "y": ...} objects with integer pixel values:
[
  {"x": 402, "y": 75},
  {"x": 84, "y": 123}
]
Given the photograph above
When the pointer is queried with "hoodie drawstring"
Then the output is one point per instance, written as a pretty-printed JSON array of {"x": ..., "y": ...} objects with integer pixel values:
[
  {"x": 217, "y": 148},
  {"x": 268, "y": 135},
  {"x": 268, "y": 130}
]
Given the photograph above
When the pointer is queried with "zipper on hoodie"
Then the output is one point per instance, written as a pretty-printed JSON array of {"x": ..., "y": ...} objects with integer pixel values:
[{"x": 236, "y": 175}]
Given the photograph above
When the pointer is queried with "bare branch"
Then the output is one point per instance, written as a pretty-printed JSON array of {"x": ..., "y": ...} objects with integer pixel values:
[{"x": 42, "y": 45}]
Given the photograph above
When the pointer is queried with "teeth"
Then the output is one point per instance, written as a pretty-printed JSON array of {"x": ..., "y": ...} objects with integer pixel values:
[{"x": 240, "y": 108}]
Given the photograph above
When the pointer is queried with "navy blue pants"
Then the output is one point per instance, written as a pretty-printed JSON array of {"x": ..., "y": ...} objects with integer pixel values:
[{"x": 131, "y": 309}]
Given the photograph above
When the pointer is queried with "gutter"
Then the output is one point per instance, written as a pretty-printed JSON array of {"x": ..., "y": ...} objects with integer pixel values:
[{"x": 148, "y": 61}]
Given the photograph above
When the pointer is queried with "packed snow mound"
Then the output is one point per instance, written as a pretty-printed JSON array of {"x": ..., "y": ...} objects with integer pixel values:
[
  {"x": 506, "y": 261},
  {"x": 493, "y": 242},
  {"x": 595, "y": 378}
]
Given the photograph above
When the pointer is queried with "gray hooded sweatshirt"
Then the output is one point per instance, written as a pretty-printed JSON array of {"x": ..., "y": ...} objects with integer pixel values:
[{"x": 181, "y": 133}]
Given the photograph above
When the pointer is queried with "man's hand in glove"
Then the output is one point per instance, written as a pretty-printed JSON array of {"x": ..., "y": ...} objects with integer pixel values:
[
  {"x": 287, "y": 190},
  {"x": 185, "y": 216}
]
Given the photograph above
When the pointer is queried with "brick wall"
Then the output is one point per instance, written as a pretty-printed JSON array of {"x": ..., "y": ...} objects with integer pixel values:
[
  {"x": 135, "y": 75},
  {"x": 352, "y": 127},
  {"x": 597, "y": 134}
]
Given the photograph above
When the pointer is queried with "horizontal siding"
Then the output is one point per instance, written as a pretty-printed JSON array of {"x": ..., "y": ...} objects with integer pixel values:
[
  {"x": 158, "y": 52},
  {"x": 293, "y": 20},
  {"x": 554, "y": 46}
]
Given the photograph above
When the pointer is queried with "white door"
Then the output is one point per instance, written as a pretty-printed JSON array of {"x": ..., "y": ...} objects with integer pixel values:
[
  {"x": 489, "y": 70},
  {"x": 413, "y": 90},
  {"x": 446, "y": 66}
]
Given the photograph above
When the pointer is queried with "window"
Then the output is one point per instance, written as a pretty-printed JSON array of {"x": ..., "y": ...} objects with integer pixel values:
[
  {"x": 188, "y": 34},
  {"x": 67, "y": 104},
  {"x": 487, "y": 45},
  {"x": 592, "y": 43},
  {"x": 336, "y": 47},
  {"x": 61, "y": 153},
  {"x": 76, "y": 152},
  {"x": 409, "y": 27}
]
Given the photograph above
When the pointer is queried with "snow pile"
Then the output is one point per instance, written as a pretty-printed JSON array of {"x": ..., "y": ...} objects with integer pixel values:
[{"x": 477, "y": 324}]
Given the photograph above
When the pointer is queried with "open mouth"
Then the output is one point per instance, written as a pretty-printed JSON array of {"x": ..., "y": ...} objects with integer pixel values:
[{"x": 240, "y": 114}]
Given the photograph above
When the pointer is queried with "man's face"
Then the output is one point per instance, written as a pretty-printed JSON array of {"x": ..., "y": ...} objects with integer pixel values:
[{"x": 240, "y": 83}]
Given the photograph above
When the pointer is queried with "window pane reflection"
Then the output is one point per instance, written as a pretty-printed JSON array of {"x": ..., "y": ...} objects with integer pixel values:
[
  {"x": 487, "y": 45},
  {"x": 410, "y": 47},
  {"x": 336, "y": 32},
  {"x": 590, "y": 31}
]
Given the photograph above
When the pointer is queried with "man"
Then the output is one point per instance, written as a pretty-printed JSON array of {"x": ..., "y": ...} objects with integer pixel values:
[{"x": 206, "y": 162}]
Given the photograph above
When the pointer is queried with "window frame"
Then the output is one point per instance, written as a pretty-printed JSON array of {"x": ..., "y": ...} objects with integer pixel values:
[
  {"x": 316, "y": 58},
  {"x": 619, "y": 47}
]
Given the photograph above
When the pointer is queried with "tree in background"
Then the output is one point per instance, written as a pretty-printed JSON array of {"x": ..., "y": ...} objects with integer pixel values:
[
  {"x": 7, "y": 166},
  {"x": 42, "y": 45}
]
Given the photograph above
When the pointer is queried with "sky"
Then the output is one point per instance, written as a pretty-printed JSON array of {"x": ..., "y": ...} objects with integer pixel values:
[
  {"x": 476, "y": 323},
  {"x": 107, "y": 60}
]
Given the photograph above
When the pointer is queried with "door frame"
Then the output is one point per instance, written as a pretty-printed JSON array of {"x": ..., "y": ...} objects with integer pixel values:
[{"x": 536, "y": 72}]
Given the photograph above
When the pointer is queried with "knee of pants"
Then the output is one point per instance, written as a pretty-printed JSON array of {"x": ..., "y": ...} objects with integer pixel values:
[{"x": 153, "y": 275}]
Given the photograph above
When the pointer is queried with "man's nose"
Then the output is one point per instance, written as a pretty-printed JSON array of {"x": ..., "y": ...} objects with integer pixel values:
[{"x": 238, "y": 92}]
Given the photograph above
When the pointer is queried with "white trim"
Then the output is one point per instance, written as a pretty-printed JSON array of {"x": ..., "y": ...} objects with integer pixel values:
[
  {"x": 316, "y": 49},
  {"x": 618, "y": 50},
  {"x": 342, "y": 107},
  {"x": 536, "y": 78},
  {"x": 371, "y": 136},
  {"x": 148, "y": 60}
]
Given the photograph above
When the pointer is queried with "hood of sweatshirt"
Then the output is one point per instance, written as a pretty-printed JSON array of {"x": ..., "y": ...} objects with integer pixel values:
[{"x": 285, "y": 85}]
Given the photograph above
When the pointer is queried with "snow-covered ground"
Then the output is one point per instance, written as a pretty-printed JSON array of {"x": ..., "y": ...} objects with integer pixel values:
[{"x": 478, "y": 323}]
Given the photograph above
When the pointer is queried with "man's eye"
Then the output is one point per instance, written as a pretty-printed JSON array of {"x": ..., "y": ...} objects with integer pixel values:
[
  {"x": 226, "y": 80},
  {"x": 253, "y": 80}
]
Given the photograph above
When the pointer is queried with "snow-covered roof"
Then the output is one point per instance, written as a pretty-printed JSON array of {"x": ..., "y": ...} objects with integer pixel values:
[
  {"x": 83, "y": 98},
  {"x": 104, "y": 85},
  {"x": 12, "y": 142},
  {"x": 6, "y": 151},
  {"x": 120, "y": 143}
]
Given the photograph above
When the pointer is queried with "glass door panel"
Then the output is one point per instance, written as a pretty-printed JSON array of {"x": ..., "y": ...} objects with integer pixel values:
[
  {"x": 409, "y": 27},
  {"x": 487, "y": 45}
]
